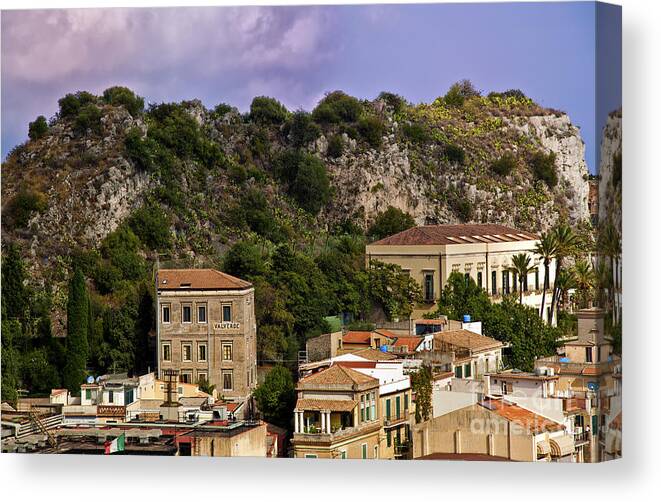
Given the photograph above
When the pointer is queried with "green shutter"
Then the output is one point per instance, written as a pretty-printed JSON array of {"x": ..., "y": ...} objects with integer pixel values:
[
  {"x": 397, "y": 407},
  {"x": 387, "y": 409}
]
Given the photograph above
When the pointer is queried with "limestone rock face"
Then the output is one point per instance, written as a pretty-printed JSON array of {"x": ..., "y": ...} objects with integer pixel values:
[{"x": 610, "y": 193}]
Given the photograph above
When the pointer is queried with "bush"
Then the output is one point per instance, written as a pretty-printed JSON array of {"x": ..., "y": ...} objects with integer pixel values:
[
  {"x": 71, "y": 104},
  {"x": 265, "y": 110},
  {"x": 311, "y": 188},
  {"x": 462, "y": 207},
  {"x": 504, "y": 165},
  {"x": 152, "y": 226},
  {"x": 237, "y": 173},
  {"x": 460, "y": 92},
  {"x": 222, "y": 109},
  {"x": 371, "y": 128},
  {"x": 244, "y": 260},
  {"x": 335, "y": 146},
  {"x": 258, "y": 214},
  {"x": 121, "y": 248},
  {"x": 544, "y": 169},
  {"x": 88, "y": 118},
  {"x": 142, "y": 151},
  {"x": 22, "y": 207},
  {"x": 285, "y": 165},
  {"x": 616, "y": 177},
  {"x": 337, "y": 107},
  {"x": 416, "y": 133},
  {"x": 38, "y": 128},
  {"x": 390, "y": 222},
  {"x": 454, "y": 153},
  {"x": 301, "y": 130},
  {"x": 122, "y": 96},
  {"x": 394, "y": 101}
]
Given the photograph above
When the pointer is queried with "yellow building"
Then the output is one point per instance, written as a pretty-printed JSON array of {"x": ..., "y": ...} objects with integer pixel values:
[
  {"x": 482, "y": 252},
  {"x": 337, "y": 415}
]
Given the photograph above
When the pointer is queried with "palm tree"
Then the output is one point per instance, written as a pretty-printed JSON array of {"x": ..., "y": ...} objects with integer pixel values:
[
  {"x": 546, "y": 248},
  {"x": 610, "y": 245},
  {"x": 521, "y": 264},
  {"x": 564, "y": 281},
  {"x": 566, "y": 241},
  {"x": 585, "y": 280}
]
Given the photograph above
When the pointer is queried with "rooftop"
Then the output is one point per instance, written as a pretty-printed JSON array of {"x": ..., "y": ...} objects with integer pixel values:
[
  {"x": 374, "y": 355},
  {"x": 431, "y": 235},
  {"x": 199, "y": 279},
  {"x": 411, "y": 342},
  {"x": 467, "y": 339},
  {"x": 522, "y": 375},
  {"x": 337, "y": 375},
  {"x": 532, "y": 422}
]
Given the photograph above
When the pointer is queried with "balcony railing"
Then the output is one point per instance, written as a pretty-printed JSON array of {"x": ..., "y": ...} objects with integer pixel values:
[
  {"x": 581, "y": 437},
  {"x": 313, "y": 433},
  {"x": 395, "y": 419}
]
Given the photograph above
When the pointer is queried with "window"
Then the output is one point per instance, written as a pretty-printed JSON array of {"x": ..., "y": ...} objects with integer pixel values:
[
  {"x": 479, "y": 280},
  {"x": 128, "y": 396},
  {"x": 467, "y": 278},
  {"x": 376, "y": 451},
  {"x": 227, "y": 313},
  {"x": 506, "y": 282},
  {"x": 536, "y": 279},
  {"x": 467, "y": 370},
  {"x": 185, "y": 313},
  {"x": 186, "y": 377},
  {"x": 111, "y": 396},
  {"x": 167, "y": 352},
  {"x": 186, "y": 352},
  {"x": 406, "y": 401},
  {"x": 165, "y": 314},
  {"x": 227, "y": 351},
  {"x": 373, "y": 412},
  {"x": 429, "y": 287},
  {"x": 494, "y": 289},
  {"x": 458, "y": 371},
  {"x": 362, "y": 408},
  {"x": 388, "y": 438},
  {"x": 228, "y": 383},
  {"x": 310, "y": 455},
  {"x": 202, "y": 313},
  {"x": 525, "y": 283},
  {"x": 88, "y": 394},
  {"x": 202, "y": 376},
  {"x": 364, "y": 450},
  {"x": 387, "y": 409},
  {"x": 397, "y": 407},
  {"x": 588, "y": 354},
  {"x": 343, "y": 454},
  {"x": 202, "y": 352},
  {"x": 515, "y": 281}
]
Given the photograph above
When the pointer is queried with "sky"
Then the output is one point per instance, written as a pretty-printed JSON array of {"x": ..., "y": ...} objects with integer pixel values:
[{"x": 297, "y": 54}]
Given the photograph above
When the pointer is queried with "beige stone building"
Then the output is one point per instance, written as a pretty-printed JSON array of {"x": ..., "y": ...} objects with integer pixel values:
[
  {"x": 337, "y": 415},
  {"x": 206, "y": 329},
  {"x": 482, "y": 252}
]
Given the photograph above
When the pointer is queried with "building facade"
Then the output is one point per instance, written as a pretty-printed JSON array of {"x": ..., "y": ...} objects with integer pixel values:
[
  {"x": 206, "y": 329},
  {"x": 429, "y": 254}
]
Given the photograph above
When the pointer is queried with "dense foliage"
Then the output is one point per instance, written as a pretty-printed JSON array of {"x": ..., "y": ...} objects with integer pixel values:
[
  {"x": 276, "y": 397},
  {"x": 389, "y": 222},
  {"x": 38, "y": 128}
]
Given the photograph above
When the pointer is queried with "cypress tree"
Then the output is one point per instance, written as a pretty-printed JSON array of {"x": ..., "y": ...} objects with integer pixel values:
[
  {"x": 77, "y": 348},
  {"x": 14, "y": 292}
]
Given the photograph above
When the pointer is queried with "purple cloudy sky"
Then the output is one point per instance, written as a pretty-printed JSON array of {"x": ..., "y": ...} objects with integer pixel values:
[{"x": 296, "y": 54}]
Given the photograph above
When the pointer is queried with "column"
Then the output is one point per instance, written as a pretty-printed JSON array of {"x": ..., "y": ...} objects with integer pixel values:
[
  {"x": 296, "y": 421},
  {"x": 323, "y": 421},
  {"x": 328, "y": 422}
]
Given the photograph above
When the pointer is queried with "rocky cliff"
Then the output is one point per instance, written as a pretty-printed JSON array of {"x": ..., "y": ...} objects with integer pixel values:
[
  {"x": 500, "y": 159},
  {"x": 610, "y": 171}
]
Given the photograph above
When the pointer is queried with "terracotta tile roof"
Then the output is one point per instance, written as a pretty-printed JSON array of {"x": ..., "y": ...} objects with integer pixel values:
[
  {"x": 326, "y": 404},
  {"x": 385, "y": 332},
  {"x": 519, "y": 375},
  {"x": 374, "y": 355},
  {"x": 455, "y": 234},
  {"x": 532, "y": 422},
  {"x": 480, "y": 457},
  {"x": 55, "y": 392},
  {"x": 433, "y": 322},
  {"x": 198, "y": 278},
  {"x": 467, "y": 339},
  {"x": 337, "y": 375},
  {"x": 357, "y": 337},
  {"x": 357, "y": 364},
  {"x": 411, "y": 342}
]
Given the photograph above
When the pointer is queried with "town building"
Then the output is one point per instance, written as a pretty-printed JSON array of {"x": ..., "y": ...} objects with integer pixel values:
[
  {"x": 496, "y": 428},
  {"x": 470, "y": 355},
  {"x": 337, "y": 415},
  {"x": 429, "y": 254},
  {"x": 206, "y": 329}
]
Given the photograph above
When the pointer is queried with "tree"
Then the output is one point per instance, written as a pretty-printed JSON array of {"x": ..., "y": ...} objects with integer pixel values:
[
  {"x": 337, "y": 107},
  {"x": 276, "y": 397},
  {"x": 152, "y": 226},
  {"x": 564, "y": 281},
  {"x": 546, "y": 249},
  {"x": 392, "y": 290},
  {"x": 265, "y": 110},
  {"x": 77, "y": 329},
  {"x": 585, "y": 280},
  {"x": 244, "y": 260},
  {"x": 301, "y": 130},
  {"x": 15, "y": 295},
  {"x": 389, "y": 222},
  {"x": 565, "y": 244},
  {"x": 38, "y": 128},
  {"x": 204, "y": 386},
  {"x": 459, "y": 92},
  {"x": 311, "y": 187},
  {"x": 371, "y": 128},
  {"x": 88, "y": 119},
  {"x": 123, "y": 96},
  {"x": 421, "y": 385},
  {"x": 522, "y": 266}
]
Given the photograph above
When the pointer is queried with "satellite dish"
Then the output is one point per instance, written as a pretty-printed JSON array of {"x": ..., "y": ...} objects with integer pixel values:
[
  {"x": 98, "y": 379},
  {"x": 90, "y": 379},
  {"x": 593, "y": 386}
]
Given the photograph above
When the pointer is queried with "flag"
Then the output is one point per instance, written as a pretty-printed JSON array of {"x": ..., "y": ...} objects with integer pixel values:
[{"x": 116, "y": 445}]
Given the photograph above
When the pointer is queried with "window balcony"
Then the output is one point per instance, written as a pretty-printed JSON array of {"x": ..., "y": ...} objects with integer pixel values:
[{"x": 394, "y": 420}]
